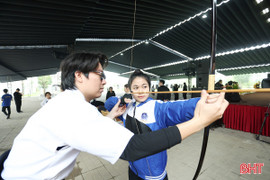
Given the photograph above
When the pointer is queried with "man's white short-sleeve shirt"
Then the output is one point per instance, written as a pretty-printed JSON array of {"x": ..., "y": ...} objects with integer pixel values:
[{"x": 69, "y": 123}]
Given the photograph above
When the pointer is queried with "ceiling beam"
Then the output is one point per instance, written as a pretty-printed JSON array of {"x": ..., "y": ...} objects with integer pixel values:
[
  {"x": 131, "y": 67},
  {"x": 161, "y": 46},
  {"x": 126, "y": 66},
  {"x": 12, "y": 71},
  {"x": 33, "y": 47}
]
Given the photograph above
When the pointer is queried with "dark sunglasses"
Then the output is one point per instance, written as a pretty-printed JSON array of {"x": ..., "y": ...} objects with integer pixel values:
[{"x": 101, "y": 74}]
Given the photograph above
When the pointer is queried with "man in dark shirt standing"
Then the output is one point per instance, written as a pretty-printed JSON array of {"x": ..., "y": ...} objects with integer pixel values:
[
  {"x": 175, "y": 88},
  {"x": 219, "y": 85},
  {"x": 110, "y": 93},
  {"x": 163, "y": 96},
  {"x": 18, "y": 100},
  {"x": 185, "y": 89}
]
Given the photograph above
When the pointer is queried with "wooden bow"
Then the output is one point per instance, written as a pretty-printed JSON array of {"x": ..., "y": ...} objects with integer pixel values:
[{"x": 211, "y": 83}]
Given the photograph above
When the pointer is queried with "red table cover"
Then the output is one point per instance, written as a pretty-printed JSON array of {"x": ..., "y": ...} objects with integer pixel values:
[{"x": 246, "y": 118}]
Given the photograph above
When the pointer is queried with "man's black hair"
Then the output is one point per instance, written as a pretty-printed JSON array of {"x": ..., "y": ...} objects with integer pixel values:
[
  {"x": 5, "y": 90},
  {"x": 139, "y": 73},
  {"x": 47, "y": 93},
  {"x": 84, "y": 62},
  {"x": 162, "y": 81}
]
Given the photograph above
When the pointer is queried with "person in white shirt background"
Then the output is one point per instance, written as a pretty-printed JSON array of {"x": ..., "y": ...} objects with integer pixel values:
[{"x": 48, "y": 96}]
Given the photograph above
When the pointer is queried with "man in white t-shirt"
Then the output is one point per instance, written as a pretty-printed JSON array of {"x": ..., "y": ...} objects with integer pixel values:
[{"x": 50, "y": 142}]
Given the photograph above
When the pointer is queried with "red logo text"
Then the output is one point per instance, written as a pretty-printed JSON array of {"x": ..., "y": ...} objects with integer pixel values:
[{"x": 248, "y": 168}]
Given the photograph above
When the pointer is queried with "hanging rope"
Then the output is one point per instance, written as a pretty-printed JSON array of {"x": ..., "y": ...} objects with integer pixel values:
[{"x": 133, "y": 33}]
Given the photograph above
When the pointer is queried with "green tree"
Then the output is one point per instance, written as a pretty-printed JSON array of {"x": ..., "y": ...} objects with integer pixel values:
[{"x": 44, "y": 82}]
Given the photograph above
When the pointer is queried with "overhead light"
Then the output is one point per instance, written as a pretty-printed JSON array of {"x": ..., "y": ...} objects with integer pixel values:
[
  {"x": 204, "y": 16},
  {"x": 265, "y": 11},
  {"x": 178, "y": 74},
  {"x": 121, "y": 54},
  {"x": 105, "y": 40},
  {"x": 34, "y": 47},
  {"x": 244, "y": 67},
  {"x": 128, "y": 48},
  {"x": 259, "y": 1},
  {"x": 268, "y": 20},
  {"x": 188, "y": 19},
  {"x": 172, "y": 27},
  {"x": 146, "y": 42},
  {"x": 165, "y": 65},
  {"x": 251, "y": 48}
]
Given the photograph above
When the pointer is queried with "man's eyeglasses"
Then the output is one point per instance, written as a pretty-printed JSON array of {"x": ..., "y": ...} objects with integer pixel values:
[{"x": 101, "y": 74}]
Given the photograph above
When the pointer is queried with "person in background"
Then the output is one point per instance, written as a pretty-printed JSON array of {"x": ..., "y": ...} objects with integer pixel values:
[
  {"x": 6, "y": 101},
  {"x": 127, "y": 97},
  {"x": 234, "y": 96},
  {"x": 219, "y": 85},
  {"x": 153, "y": 90},
  {"x": 18, "y": 100},
  {"x": 147, "y": 115},
  {"x": 175, "y": 88},
  {"x": 185, "y": 89},
  {"x": 126, "y": 88},
  {"x": 48, "y": 96},
  {"x": 163, "y": 96},
  {"x": 110, "y": 93}
]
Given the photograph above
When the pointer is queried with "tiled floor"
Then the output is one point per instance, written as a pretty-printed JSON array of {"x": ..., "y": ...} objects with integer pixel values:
[{"x": 226, "y": 150}]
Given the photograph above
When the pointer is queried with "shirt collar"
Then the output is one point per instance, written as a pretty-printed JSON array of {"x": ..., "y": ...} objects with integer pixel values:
[
  {"x": 142, "y": 103},
  {"x": 76, "y": 92}
]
